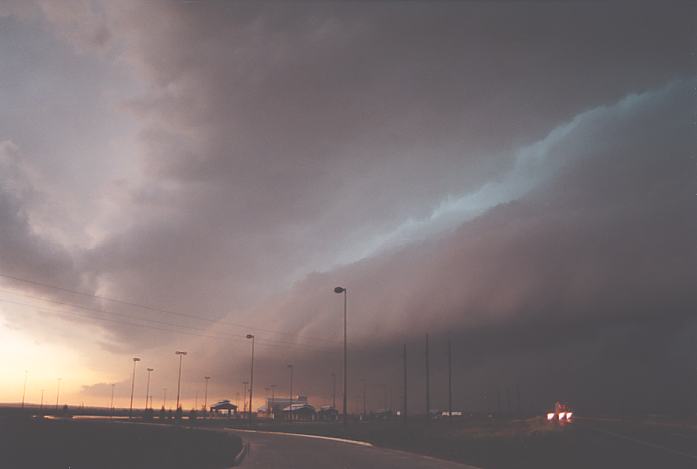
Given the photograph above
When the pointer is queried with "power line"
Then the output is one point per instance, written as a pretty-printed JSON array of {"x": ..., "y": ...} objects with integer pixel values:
[
  {"x": 99, "y": 310},
  {"x": 135, "y": 324},
  {"x": 151, "y": 308}
]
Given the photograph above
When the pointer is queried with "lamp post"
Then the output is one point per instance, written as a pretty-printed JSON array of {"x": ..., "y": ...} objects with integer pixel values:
[
  {"x": 179, "y": 381},
  {"x": 344, "y": 291},
  {"x": 251, "y": 379},
  {"x": 290, "y": 394},
  {"x": 41, "y": 406},
  {"x": 133, "y": 384},
  {"x": 111, "y": 406},
  {"x": 147, "y": 388},
  {"x": 164, "y": 398},
  {"x": 24, "y": 389},
  {"x": 58, "y": 392},
  {"x": 205, "y": 394}
]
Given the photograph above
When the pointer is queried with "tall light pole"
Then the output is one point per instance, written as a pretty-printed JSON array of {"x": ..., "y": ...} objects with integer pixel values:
[
  {"x": 164, "y": 398},
  {"x": 133, "y": 384},
  {"x": 58, "y": 392},
  {"x": 251, "y": 379},
  {"x": 147, "y": 388},
  {"x": 428, "y": 384},
  {"x": 205, "y": 394},
  {"x": 290, "y": 394},
  {"x": 344, "y": 291},
  {"x": 41, "y": 406},
  {"x": 111, "y": 406},
  {"x": 24, "y": 390},
  {"x": 273, "y": 397},
  {"x": 450, "y": 382},
  {"x": 179, "y": 381}
]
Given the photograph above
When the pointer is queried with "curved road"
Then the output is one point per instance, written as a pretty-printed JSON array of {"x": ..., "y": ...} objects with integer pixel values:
[{"x": 289, "y": 451}]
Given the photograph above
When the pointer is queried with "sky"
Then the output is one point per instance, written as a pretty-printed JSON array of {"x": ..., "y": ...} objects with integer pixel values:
[{"x": 515, "y": 178}]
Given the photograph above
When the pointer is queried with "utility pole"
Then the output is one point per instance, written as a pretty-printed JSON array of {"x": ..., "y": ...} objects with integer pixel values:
[
  {"x": 404, "y": 409},
  {"x": 133, "y": 384},
  {"x": 290, "y": 394},
  {"x": 111, "y": 406},
  {"x": 147, "y": 387},
  {"x": 41, "y": 406},
  {"x": 164, "y": 398},
  {"x": 428, "y": 385},
  {"x": 273, "y": 399},
  {"x": 450, "y": 382}
]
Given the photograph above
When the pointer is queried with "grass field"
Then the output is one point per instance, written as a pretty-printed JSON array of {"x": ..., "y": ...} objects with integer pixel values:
[{"x": 46, "y": 444}]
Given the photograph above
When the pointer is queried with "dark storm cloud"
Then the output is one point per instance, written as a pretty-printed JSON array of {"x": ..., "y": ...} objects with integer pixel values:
[
  {"x": 279, "y": 137},
  {"x": 278, "y": 140},
  {"x": 585, "y": 283}
]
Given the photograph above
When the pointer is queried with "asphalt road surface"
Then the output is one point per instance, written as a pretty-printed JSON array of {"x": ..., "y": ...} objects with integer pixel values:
[{"x": 286, "y": 451}]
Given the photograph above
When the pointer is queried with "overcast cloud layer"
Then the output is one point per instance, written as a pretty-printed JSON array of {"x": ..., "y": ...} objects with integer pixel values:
[{"x": 517, "y": 177}]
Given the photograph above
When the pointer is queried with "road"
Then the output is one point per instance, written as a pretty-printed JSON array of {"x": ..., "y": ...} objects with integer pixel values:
[{"x": 287, "y": 451}]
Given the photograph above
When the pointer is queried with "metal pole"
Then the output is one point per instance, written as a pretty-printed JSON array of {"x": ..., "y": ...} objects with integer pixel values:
[
  {"x": 428, "y": 385},
  {"x": 111, "y": 406},
  {"x": 164, "y": 398},
  {"x": 273, "y": 398},
  {"x": 450, "y": 382},
  {"x": 179, "y": 381},
  {"x": 41, "y": 406},
  {"x": 147, "y": 388},
  {"x": 58, "y": 391},
  {"x": 133, "y": 383},
  {"x": 251, "y": 380},
  {"x": 205, "y": 394},
  {"x": 345, "y": 362},
  {"x": 290, "y": 397},
  {"x": 404, "y": 355},
  {"x": 24, "y": 390}
]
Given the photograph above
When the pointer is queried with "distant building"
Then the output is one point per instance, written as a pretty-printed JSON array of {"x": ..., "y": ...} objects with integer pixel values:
[
  {"x": 224, "y": 407},
  {"x": 278, "y": 404},
  {"x": 328, "y": 413},
  {"x": 301, "y": 411}
]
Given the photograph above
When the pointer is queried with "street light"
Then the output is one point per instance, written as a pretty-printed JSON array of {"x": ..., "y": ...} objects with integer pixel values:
[
  {"x": 179, "y": 381},
  {"x": 147, "y": 388},
  {"x": 24, "y": 390},
  {"x": 344, "y": 291},
  {"x": 251, "y": 379},
  {"x": 205, "y": 394},
  {"x": 290, "y": 394},
  {"x": 112, "y": 399},
  {"x": 58, "y": 392},
  {"x": 133, "y": 383}
]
